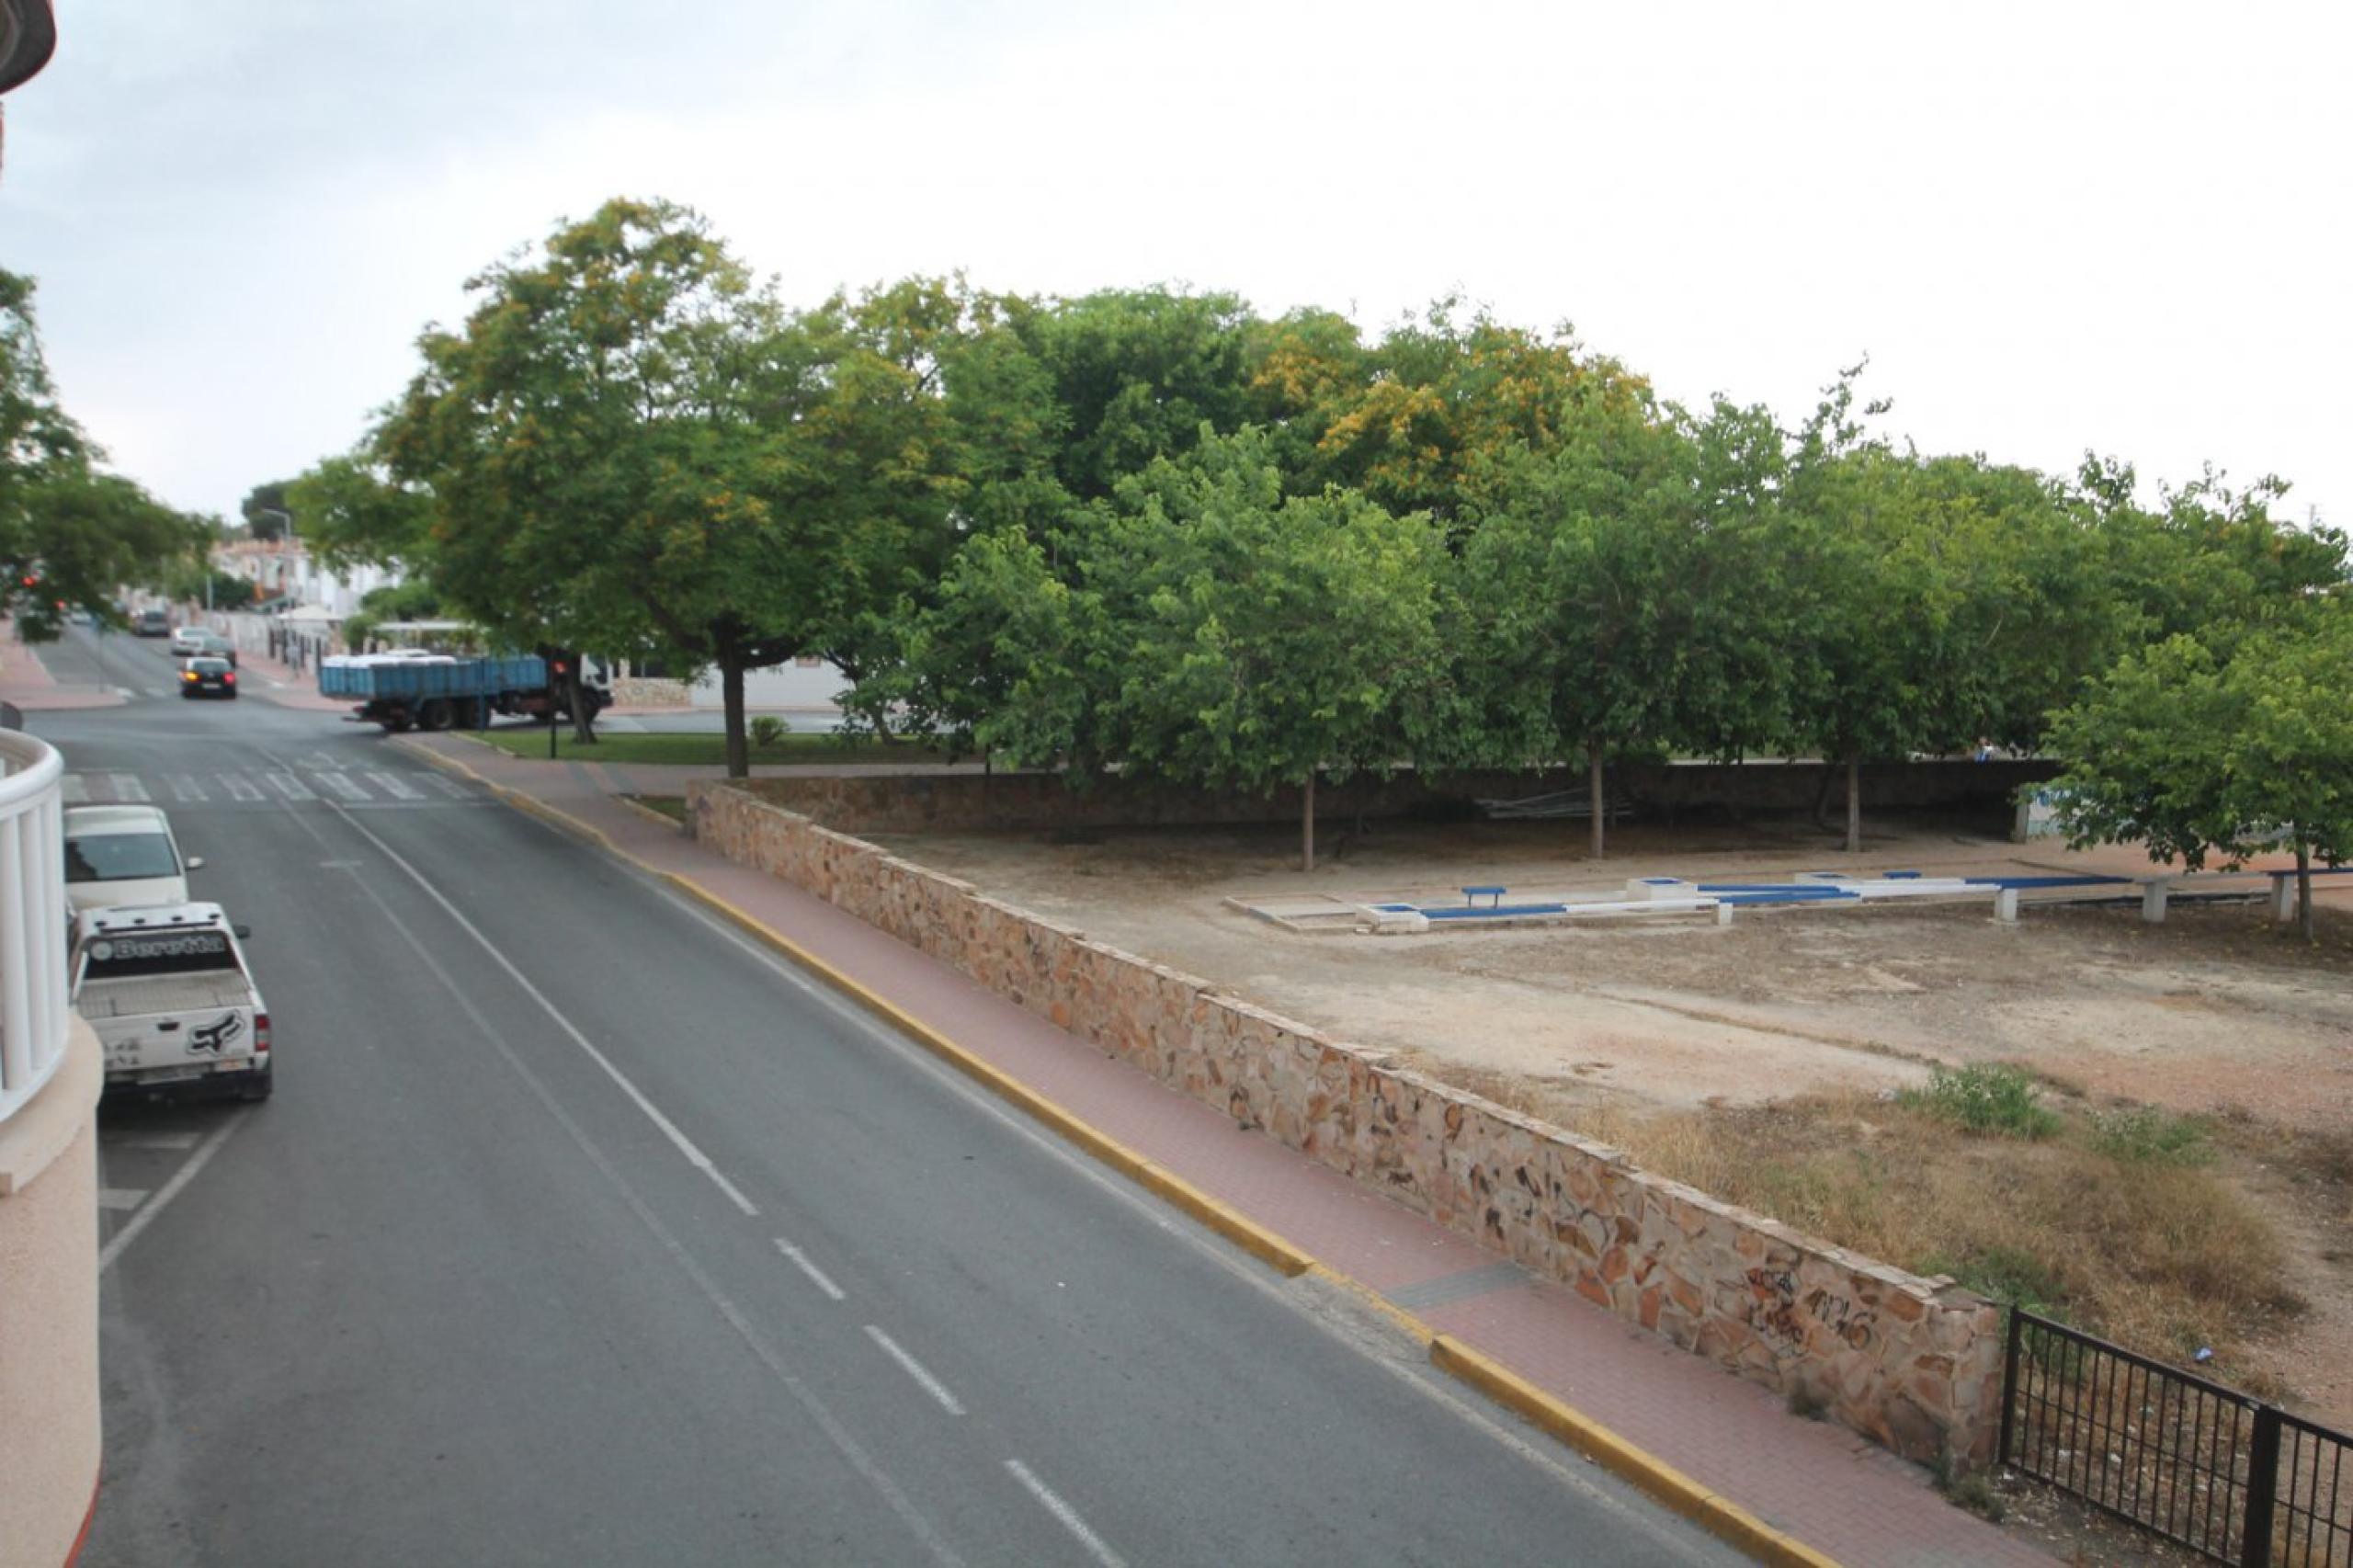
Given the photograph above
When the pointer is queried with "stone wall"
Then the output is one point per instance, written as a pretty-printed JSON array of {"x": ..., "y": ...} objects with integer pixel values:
[
  {"x": 650, "y": 691},
  {"x": 1913, "y": 1363},
  {"x": 957, "y": 802}
]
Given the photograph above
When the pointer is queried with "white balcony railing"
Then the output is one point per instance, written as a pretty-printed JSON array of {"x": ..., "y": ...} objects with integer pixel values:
[{"x": 32, "y": 917}]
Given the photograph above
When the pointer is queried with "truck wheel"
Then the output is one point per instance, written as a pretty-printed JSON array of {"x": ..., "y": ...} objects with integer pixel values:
[
  {"x": 434, "y": 715},
  {"x": 394, "y": 726}
]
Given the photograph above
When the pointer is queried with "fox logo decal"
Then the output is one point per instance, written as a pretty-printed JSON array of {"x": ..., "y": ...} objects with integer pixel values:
[{"x": 215, "y": 1035}]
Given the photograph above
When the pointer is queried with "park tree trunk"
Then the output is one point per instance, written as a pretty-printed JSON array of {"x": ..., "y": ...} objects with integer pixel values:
[
  {"x": 575, "y": 702},
  {"x": 2305, "y": 920},
  {"x": 1307, "y": 824},
  {"x": 731, "y": 697},
  {"x": 1854, "y": 805},
  {"x": 1593, "y": 781}
]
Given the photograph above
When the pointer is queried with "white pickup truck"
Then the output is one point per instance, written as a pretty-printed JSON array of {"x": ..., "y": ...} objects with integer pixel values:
[{"x": 166, "y": 988}]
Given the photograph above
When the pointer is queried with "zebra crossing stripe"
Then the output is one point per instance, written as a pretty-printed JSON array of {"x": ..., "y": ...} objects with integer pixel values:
[
  {"x": 240, "y": 788},
  {"x": 127, "y": 786},
  {"x": 344, "y": 787},
  {"x": 442, "y": 782},
  {"x": 392, "y": 784},
  {"x": 293, "y": 788},
  {"x": 183, "y": 786},
  {"x": 75, "y": 789}
]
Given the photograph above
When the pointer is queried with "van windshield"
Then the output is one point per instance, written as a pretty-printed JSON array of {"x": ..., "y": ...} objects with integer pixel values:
[{"x": 119, "y": 857}]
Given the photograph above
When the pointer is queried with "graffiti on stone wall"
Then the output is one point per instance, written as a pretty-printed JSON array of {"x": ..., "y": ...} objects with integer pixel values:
[{"x": 1783, "y": 1315}]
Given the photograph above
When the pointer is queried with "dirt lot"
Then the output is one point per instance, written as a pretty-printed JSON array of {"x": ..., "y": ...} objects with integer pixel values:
[{"x": 2216, "y": 1012}]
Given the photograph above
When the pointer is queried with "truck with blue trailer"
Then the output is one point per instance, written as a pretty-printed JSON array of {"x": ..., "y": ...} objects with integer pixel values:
[{"x": 410, "y": 691}]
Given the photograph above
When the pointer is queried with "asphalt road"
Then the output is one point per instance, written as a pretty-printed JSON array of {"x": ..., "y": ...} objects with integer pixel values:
[{"x": 580, "y": 1231}]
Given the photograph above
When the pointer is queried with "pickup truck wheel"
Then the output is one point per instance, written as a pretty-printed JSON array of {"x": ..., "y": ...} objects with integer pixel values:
[{"x": 256, "y": 1087}]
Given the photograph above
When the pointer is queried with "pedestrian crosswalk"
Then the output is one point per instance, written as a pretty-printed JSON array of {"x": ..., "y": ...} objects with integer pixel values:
[{"x": 266, "y": 787}]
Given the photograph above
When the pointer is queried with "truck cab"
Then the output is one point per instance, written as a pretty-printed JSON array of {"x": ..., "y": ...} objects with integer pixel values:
[{"x": 168, "y": 993}]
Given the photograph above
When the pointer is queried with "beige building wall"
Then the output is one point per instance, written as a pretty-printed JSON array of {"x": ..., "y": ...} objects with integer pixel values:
[{"x": 49, "y": 1312}]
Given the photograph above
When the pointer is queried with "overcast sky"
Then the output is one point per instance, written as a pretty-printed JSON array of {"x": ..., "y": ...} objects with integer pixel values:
[{"x": 2051, "y": 227}]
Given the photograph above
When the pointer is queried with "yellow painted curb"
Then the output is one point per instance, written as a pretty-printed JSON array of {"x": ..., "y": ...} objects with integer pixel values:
[
  {"x": 1719, "y": 1515},
  {"x": 1722, "y": 1517},
  {"x": 1218, "y": 1216}
]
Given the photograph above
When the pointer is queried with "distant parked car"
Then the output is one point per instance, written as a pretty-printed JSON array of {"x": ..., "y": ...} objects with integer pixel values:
[
  {"x": 122, "y": 855},
  {"x": 208, "y": 676},
  {"x": 193, "y": 642}
]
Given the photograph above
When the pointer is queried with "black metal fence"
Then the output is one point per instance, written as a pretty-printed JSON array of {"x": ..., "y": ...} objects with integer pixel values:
[{"x": 2217, "y": 1471}]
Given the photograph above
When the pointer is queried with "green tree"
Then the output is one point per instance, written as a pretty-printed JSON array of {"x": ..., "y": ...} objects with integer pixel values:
[
  {"x": 1213, "y": 631},
  {"x": 1616, "y": 592},
  {"x": 633, "y": 444},
  {"x": 1428, "y": 421},
  {"x": 70, "y": 534},
  {"x": 266, "y": 510},
  {"x": 2198, "y": 753},
  {"x": 1138, "y": 374},
  {"x": 352, "y": 512}
]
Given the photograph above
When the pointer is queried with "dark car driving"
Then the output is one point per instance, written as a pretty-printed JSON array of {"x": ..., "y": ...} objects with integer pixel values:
[{"x": 208, "y": 676}]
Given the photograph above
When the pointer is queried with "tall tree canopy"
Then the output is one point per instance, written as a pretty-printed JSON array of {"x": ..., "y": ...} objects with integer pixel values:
[
  {"x": 71, "y": 534},
  {"x": 2228, "y": 749}
]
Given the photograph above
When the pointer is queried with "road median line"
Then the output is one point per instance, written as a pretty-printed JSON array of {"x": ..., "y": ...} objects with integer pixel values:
[{"x": 1640, "y": 1469}]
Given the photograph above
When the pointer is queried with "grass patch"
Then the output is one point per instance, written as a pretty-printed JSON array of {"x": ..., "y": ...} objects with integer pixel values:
[
  {"x": 2160, "y": 1256},
  {"x": 1992, "y": 1097},
  {"x": 530, "y": 742},
  {"x": 2151, "y": 1135},
  {"x": 671, "y": 806}
]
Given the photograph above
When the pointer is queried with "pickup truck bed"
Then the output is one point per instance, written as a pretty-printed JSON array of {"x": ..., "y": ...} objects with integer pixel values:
[{"x": 164, "y": 993}]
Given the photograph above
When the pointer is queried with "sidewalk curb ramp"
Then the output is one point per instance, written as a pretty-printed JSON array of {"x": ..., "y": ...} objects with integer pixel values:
[{"x": 1649, "y": 1475}]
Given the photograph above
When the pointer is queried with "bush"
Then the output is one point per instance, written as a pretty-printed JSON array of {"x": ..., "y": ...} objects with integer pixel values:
[
  {"x": 1996, "y": 1098},
  {"x": 2147, "y": 1135},
  {"x": 768, "y": 730},
  {"x": 2008, "y": 1275}
]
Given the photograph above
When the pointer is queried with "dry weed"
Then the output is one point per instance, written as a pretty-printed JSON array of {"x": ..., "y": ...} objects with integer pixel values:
[{"x": 2162, "y": 1258}]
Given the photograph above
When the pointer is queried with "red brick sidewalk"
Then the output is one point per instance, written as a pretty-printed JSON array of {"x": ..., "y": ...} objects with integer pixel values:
[
  {"x": 1822, "y": 1485},
  {"x": 25, "y": 681}
]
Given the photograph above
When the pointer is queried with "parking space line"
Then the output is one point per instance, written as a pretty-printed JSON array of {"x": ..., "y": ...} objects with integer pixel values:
[
  {"x": 170, "y": 1190},
  {"x": 177, "y": 1142}
]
